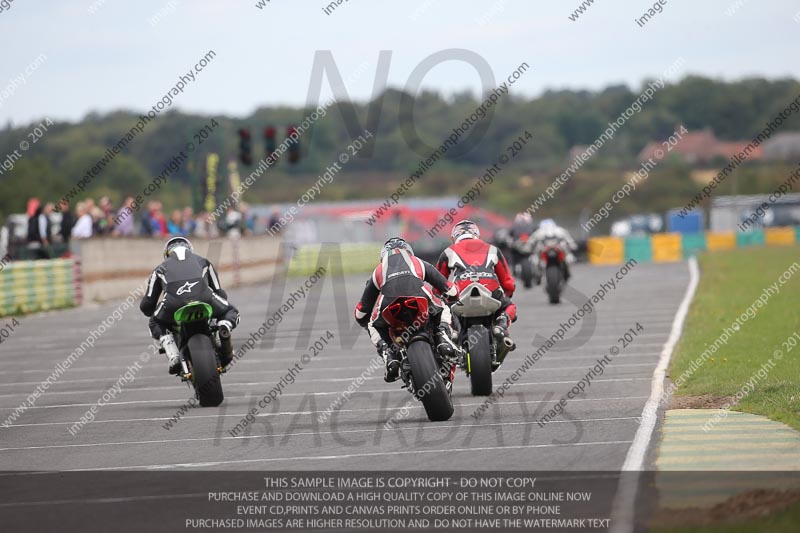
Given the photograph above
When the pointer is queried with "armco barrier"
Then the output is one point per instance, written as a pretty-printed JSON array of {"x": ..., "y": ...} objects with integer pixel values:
[
  {"x": 345, "y": 258},
  {"x": 668, "y": 247},
  {"x": 30, "y": 286}
]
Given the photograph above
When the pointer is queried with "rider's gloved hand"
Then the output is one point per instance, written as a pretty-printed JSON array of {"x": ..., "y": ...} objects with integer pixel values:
[
  {"x": 451, "y": 294},
  {"x": 362, "y": 316}
]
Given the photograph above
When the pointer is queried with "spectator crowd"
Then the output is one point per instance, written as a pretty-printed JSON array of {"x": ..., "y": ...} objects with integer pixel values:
[{"x": 90, "y": 219}]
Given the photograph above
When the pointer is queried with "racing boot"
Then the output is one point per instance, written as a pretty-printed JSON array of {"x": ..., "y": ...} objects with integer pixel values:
[
  {"x": 226, "y": 347},
  {"x": 500, "y": 331},
  {"x": 167, "y": 343},
  {"x": 444, "y": 343},
  {"x": 392, "y": 360}
]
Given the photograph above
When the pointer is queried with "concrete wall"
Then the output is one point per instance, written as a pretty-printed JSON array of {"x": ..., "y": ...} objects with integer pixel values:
[{"x": 112, "y": 268}]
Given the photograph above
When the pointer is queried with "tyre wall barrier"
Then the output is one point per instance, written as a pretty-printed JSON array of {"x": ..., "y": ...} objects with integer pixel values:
[
  {"x": 30, "y": 286},
  {"x": 670, "y": 247}
]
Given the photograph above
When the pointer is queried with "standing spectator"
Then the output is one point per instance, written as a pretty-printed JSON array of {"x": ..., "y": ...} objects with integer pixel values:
[
  {"x": 274, "y": 219},
  {"x": 124, "y": 219},
  {"x": 159, "y": 221},
  {"x": 108, "y": 215},
  {"x": 39, "y": 232},
  {"x": 99, "y": 222},
  {"x": 189, "y": 225},
  {"x": 49, "y": 207},
  {"x": 248, "y": 224},
  {"x": 33, "y": 205},
  {"x": 67, "y": 221},
  {"x": 175, "y": 224},
  {"x": 232, "y": 223},
  {"x": 83, "y": 226},
  {"x": 204, "y": 227},
  {"x": 147, "y": 220}
]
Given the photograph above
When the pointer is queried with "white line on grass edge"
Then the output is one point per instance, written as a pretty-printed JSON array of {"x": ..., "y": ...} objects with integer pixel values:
[{"x": 625, "y": 500}]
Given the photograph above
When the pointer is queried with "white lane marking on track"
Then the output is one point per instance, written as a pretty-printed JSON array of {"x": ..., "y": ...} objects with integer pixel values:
[
  {"x": 326, "y": 370},
  {"x": 327, "y": 393},
  {"x": 257, "y": 383},
  {"x": 292, "y": 413},
  {"x": 625, "y": 499},
  {"x": 260, "y": 362},
  {"x": 348, "y": 456},
  {"x": 427, "y": 426}
]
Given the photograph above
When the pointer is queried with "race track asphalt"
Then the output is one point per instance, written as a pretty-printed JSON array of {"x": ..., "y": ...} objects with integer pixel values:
[{"x": 129, "y": 431}]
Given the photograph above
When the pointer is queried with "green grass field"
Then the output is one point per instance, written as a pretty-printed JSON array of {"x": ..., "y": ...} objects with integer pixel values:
[
  {"x": 782, "y": 522},
  {"x": 729, "y": 284}
]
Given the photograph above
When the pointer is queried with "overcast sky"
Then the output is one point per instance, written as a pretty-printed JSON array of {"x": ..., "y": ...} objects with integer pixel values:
[{"x": 114, "y": 58}]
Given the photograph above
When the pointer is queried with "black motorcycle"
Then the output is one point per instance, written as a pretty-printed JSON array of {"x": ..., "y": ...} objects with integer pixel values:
[
  {"x": 198, "y": 341},
  {"x": 523, "y": 261},
  {"x": 553, "y": 261},
  {"x": 475, "y": 309}
]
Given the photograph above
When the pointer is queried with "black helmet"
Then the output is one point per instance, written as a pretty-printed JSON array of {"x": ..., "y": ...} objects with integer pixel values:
[
  {"x": 176, "y": 242},
  {"x": 395, "y": 243}
]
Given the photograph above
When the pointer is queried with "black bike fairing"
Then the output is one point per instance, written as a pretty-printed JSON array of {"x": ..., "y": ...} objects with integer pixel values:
[{"x": 183, "y": 278}]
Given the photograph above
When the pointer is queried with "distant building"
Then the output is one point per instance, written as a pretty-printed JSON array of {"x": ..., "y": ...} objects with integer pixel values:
[
  {"x": 700, "y": 148},
  {"x": 784, "y": 146},
  {"x": 728, "y": 213}
]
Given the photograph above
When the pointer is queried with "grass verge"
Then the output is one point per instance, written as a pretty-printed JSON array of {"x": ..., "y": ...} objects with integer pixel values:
[{"x": 730, "y": 282}]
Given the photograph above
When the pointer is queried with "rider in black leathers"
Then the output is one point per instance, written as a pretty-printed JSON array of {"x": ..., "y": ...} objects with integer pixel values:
[{"x": 184, "y": 277}]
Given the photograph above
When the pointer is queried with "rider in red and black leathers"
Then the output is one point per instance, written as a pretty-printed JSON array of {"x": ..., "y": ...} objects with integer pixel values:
[
  {"x": 401, "y": 274},
  {"x": 468, "y": 258}
]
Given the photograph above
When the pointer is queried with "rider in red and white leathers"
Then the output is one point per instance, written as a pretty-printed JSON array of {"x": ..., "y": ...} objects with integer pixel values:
[
  {"x": 469, "y": 257},
  {"x": 549, "y": 232},
  {"x": 401, "y": 274}
]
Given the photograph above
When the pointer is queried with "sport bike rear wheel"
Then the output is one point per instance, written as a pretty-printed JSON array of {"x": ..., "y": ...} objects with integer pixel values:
[
  {"x": 205, "y": 376},
  {"x": 429, "y": 386},
  {"x": 479, "y": 360},
  {"x": 553, "y": 274},
  {"x": 527, "y": 273}
]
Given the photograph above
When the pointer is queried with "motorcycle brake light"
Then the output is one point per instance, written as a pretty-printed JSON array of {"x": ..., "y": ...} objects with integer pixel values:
[{"x": 524, "y": 237}]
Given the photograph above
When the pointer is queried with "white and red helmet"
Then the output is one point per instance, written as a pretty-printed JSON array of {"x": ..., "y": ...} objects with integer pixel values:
[{"x": 466, "y": 229}]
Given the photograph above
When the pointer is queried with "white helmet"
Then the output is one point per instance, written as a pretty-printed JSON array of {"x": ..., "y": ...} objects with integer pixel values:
[
  {"x": 176, "y": 242},
  {"x": 547, "y": 224}
]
